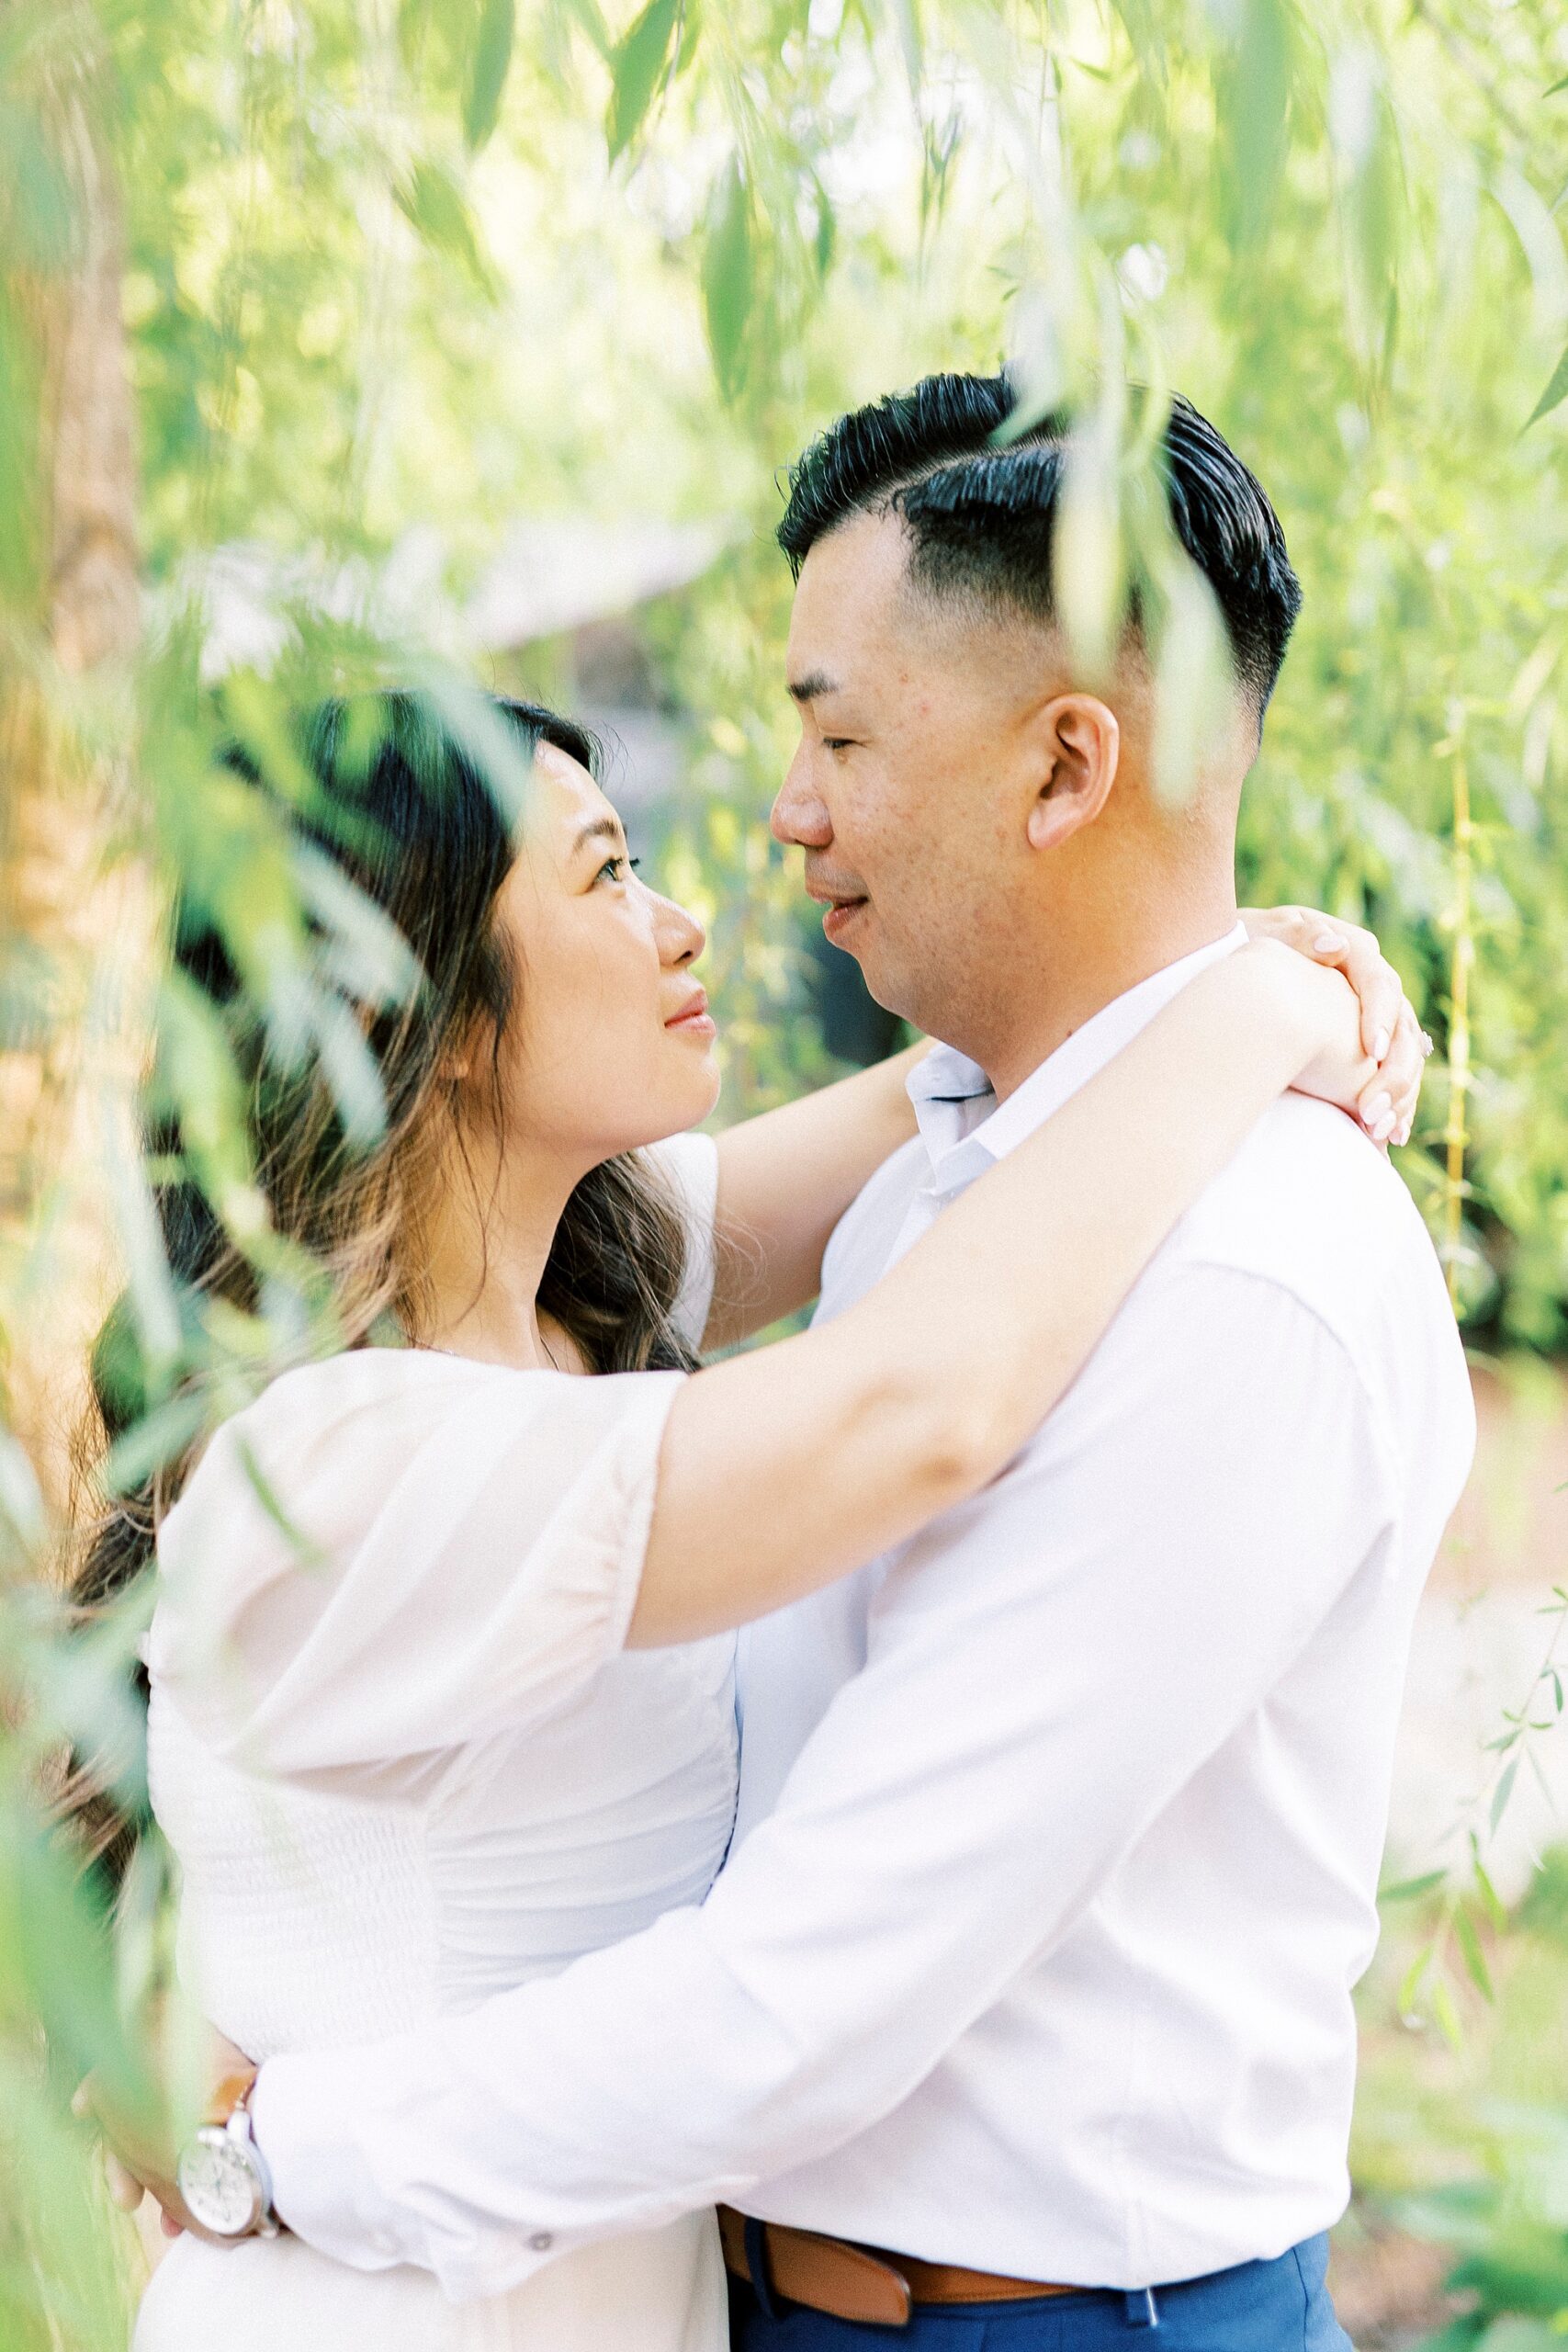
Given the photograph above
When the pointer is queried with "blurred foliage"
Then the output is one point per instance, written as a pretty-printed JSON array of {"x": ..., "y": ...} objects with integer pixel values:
[
  {"x": 303, "y": 277},
  {"x": 1466, "y": 2146}
]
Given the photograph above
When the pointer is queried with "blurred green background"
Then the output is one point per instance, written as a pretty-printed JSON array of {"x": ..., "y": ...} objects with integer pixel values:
[{"x": 458, "y": 340}]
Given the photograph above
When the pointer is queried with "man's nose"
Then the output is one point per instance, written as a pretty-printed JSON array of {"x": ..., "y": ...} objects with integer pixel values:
[{"x": 800, "y": 814}]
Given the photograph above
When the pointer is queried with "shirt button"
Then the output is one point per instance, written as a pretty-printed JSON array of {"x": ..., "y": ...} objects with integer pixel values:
[{"x": 541, "y": 2241}]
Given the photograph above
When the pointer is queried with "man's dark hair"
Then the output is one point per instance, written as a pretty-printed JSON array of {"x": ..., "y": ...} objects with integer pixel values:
[{"x": 980, "y": 516}]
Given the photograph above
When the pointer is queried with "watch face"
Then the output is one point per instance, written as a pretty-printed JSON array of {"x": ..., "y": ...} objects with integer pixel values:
[{"x": 218, "y": 2184}]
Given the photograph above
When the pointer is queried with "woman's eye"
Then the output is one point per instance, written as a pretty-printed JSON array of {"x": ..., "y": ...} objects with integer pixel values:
[
  {"x": 617, "y": 868},
  {"x": 837, "y": 742}
]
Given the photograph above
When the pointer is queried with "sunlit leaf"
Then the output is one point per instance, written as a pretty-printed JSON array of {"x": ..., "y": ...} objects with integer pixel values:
[
  {"x": 368, "y": 954},
  {"x": 1555, "y": 395},
  {"x": 1503, "y": 1791},
  {"x": 1496, "y": 1910},
  {"x": 1193, "y": 679},
  {"x": 1415, "y": 1976},
  {"x": 488, "y": 69},
  {"x": 1445, "y": 2016},
  {"x": 586, "y": 14},
  {"x": 1252, "y": 94},
  {"x": 1474, "y": 1959},
  {"x": 156, "y": 1441},
  {"x": 1087, "y": 552},
  {"x": 637, "y": 68},
  {"x": 148, "y": 1281},
  {"x": 727, "y": 283},
  {"x": 434, "y": 205},
  {"x": 351, "y": 1071},
  {"x": 492, "y": 745},
  {"x": 196, "y": 1076},
  {"x": 911, "y": 40},
  {"x": 1411, "y": 1889},
  {"x": 825, "y": 242}
]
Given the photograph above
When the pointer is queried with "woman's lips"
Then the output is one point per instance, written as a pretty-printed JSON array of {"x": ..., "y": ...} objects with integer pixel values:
[{"x": 696, "y": 1021}]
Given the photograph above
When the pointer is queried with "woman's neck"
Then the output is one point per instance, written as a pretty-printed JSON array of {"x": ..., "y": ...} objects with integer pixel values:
[{"x": 488, "y": 1241}]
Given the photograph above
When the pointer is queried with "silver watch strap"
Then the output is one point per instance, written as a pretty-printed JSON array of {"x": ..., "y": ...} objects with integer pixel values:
[{"x": 239, "y": 2130}]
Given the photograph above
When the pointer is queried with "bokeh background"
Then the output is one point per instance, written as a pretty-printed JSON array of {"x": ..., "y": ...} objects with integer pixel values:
[{"x": 464, "y": 342}]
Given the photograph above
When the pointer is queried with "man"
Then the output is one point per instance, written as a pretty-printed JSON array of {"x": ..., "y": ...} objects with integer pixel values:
[{"x": 1059, "y": 1829}]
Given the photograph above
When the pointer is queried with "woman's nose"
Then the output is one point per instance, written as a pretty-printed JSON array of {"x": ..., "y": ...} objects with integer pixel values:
[{"x": 681, "y": 936}]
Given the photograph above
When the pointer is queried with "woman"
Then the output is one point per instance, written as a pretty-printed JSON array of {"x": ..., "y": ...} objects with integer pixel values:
[{"x": 440, "y": 1671}]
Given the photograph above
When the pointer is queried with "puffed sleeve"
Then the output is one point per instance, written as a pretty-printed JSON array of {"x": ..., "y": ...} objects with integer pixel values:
[
  {"x": 396, "y": 1552},
  {"x": 689, "y": 1166}
]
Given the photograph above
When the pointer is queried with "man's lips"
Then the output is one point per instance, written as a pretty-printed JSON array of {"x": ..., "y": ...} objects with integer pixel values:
[
  {"x": 840, "y": 909},
  {"x": 841, "y": 905},
  {"x": 694, "y": 1020}
]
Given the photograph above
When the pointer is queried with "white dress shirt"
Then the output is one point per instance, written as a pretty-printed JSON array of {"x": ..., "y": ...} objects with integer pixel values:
[{"x": 1063, "y": 1822}]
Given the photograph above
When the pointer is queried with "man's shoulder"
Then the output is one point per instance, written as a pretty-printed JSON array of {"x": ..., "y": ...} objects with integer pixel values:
[{"x": 1310, "y": 1207}]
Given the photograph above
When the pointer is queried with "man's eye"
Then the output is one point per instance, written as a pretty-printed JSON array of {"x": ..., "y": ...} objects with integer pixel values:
[{"x": 837, "y": 742}]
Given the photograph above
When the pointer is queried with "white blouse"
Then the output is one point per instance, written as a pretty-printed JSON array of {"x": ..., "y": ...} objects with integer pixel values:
[{"x": 403, "y": 1760}]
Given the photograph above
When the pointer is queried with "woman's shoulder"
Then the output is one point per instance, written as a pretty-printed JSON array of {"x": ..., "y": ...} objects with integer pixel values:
[
  {"x": 388, "y": 1551},
  {"x": 323, "y": 1439}
]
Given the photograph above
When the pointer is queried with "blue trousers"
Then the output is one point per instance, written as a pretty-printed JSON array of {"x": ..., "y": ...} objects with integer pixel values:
[{"x": 1280, "y": 2306}]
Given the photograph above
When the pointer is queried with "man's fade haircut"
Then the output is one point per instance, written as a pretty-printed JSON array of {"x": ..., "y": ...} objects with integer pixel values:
[{"x": 981, "y": 518}]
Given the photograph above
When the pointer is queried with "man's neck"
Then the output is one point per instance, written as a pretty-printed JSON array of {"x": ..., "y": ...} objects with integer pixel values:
[{"x": 1077, "y": 976}]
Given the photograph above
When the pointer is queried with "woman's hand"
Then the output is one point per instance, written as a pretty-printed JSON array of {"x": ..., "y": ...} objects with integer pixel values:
[{"x": 1383, "y": 1086}]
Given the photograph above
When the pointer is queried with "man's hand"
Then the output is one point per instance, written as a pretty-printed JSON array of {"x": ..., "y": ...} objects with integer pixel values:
[
  {"x": 1391, "y": 1033},
  {"x": 139, "y": 2162}
]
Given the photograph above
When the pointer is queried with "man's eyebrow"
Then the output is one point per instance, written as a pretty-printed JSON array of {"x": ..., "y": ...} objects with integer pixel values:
[
  {"x": 814, "y": 683},
  {"x": 599, "y": 829}
]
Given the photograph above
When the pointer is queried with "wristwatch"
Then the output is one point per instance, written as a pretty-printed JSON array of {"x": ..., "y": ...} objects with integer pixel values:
[{"x": 221, "y": 2174}]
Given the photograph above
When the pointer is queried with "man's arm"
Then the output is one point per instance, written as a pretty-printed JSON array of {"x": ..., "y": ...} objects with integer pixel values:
[{"x": 1048, "y": 1669}]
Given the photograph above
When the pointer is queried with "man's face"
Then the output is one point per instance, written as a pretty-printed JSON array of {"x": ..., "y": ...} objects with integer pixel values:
[{"x": 908, "y": 791}]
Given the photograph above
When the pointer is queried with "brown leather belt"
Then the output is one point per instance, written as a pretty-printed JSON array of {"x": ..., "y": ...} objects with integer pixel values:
[{"x": 863, "y": 2282}]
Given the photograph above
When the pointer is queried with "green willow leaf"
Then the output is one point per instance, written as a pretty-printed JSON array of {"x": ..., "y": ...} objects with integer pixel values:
[
  {"x": 1555, "y": 395},
  {"x": 1504, "y": 1791},
  {"x": 1557, "y": 87},
  {"x": 1411, "y": 1889},
  {"x": 637, "y": 68},
  {"x": 1469, "y": 1942},
  {"x": 824, "y": 244},
  {"x": 433, "y": 205},
  {"x": 488, "y": 69},
  {"x": 727, "y": 279},
  {"x": 1252, "y": 97},
  {"x": 585, "y": 14},
  {"x": 1445, "y": 2014}
]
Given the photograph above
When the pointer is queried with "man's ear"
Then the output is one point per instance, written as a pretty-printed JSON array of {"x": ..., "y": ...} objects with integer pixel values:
[{"x": 1080, "y": 742}]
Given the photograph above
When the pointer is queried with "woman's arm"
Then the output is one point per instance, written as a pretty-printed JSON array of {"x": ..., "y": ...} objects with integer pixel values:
[
  {"x": 785, "y": 1179},
  {"x": 783, "y": 1469}
]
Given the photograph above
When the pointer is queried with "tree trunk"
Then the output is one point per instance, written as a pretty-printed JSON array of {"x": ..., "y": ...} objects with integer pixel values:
[{"x": 64, "y": 908}]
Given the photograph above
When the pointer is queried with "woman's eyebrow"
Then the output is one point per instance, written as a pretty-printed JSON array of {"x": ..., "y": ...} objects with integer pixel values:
[{"x": 600, "y": 829}]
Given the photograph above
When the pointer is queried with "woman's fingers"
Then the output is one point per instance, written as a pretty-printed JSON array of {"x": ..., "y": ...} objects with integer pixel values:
[
  {"x": 1388, "y": 1104},
  {"x": 1378, "y": 986},
  {"x": 125, "y": 2189}
]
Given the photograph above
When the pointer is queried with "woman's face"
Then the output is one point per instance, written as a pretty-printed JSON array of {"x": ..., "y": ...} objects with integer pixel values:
[{"x": 610, "y": 1044}]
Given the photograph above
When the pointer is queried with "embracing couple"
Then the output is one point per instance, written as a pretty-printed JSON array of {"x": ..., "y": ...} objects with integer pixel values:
[{"x": 982, "y": 1947}]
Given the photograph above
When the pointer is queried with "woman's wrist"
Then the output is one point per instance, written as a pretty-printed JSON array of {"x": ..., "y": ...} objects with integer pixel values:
[{"x": 1296, "y": 1000}]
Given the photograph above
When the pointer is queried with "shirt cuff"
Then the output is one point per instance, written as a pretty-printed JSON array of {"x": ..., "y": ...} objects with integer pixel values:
[
  {"x": 300, "y": 2109},
  {"x": 312, "y": 2115}
]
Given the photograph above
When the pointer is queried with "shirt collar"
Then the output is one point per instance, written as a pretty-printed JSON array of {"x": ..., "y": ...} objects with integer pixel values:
[{"x": 961, "y": 1122}]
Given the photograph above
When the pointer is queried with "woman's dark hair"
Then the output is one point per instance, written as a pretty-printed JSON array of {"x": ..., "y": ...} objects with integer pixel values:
[{"x": 407, "y": 817}]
